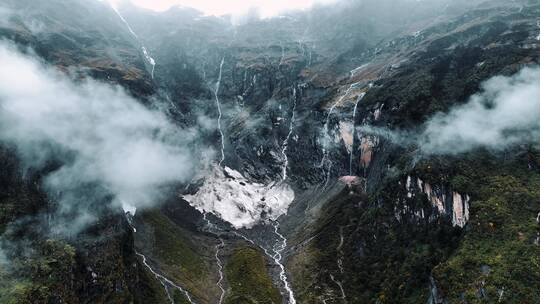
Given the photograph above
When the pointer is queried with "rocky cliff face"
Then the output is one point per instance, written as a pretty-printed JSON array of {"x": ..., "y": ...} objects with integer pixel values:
[{"x": 297, "y": 202}]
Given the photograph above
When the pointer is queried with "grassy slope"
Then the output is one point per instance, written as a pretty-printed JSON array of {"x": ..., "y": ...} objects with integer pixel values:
[
  {"x": 249, "y": 280},
  {"x": 181, "y": 257}
]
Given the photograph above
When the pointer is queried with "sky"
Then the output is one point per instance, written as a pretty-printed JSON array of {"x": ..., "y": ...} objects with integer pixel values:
[{"x": 267, "y": 8}]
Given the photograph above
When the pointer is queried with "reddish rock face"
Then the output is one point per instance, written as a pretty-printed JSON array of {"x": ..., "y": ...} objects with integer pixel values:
[
  {"x": 378, "y": 112},
  {"x": 367, "y": 147},
  {"x": 450, "y": 203},
  {"x": 346, "y": 132}
]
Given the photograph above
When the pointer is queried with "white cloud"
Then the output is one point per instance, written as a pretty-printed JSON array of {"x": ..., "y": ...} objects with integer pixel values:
[
  {"x": 505, "y": 113},
  {"x": 112, "y": 143}
]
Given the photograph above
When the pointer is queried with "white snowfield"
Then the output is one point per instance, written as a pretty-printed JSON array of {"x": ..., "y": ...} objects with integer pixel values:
[{"x": 233, "y": 198}]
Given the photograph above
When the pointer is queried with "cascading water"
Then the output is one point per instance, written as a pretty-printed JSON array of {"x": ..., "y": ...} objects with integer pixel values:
[
  {"x": 340, "y": 251},
  {"x": 277, "y": 257},
  {"x": 302, "y": 48},
  {"x": 218, "y": 104},
  {"x": 213, "y": 229},
  {"x": 282, "y": 54},
  {"x": 130, "y": 213},
  {"x": 340, "y": 264},
  {"x": 310, "y": 56},
  {"x": 286, "y": 141},
  {"x": 203, "y": 68},
  {"x": 220, "y": 270},
  {"x": 355, "y": 71},
  {"x": 146, "y": 55},
  {"x": 537, "y": 241},
  {"x": 165, "y": 282},
  {"x": 150, "y": 60},
  {"x": 327, "y": 138},
  {"x": 360, "y": 97},
  {"x": 340, "y": 286}
]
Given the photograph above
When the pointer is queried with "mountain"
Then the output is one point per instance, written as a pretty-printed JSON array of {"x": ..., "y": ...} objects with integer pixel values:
[{"x": 359, "y": 152}]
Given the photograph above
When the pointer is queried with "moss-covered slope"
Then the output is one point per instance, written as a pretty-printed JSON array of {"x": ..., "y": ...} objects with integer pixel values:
[{"x": 249, "y": 280}]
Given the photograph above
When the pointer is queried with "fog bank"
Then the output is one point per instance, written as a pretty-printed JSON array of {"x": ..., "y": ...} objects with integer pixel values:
[{"x": 112, "y": 149}]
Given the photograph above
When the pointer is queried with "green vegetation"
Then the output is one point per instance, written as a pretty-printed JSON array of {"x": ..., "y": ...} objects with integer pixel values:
[
  {"x": 248, "y": 279},
  {"x": 50, "y": 273},
  {"x": 180, "y": 256},
  {"x": 304, "y": 269},
  {"x": 52, "y": 276},
  {"x": 498, "y": 257},
  {"x": 387, "y": 260},
  {"x": 171, "y": 246}
]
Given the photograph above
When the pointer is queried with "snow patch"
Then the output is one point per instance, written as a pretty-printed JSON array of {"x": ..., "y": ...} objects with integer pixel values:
[{"x": 229, "y": 195}]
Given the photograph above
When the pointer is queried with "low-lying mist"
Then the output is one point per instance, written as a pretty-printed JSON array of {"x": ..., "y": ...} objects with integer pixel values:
[
  {"x": 111, "y": 149},
  {"x": 505, "y": 113}
]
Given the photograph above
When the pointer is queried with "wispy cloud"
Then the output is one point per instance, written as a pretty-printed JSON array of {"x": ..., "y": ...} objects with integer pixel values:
[
  {"x": 505, "y": 113},
  {"x": 113, "y": 150}
]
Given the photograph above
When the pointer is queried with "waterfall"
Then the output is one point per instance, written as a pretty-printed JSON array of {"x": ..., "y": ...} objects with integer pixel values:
[
  {"x": 164, "y": 281},
  {"x": 286, "y": 141},
  {"x": 326, "y": 136},
  {"x": 220, "y": 270},
  {"x": 360, "y": 97},
  {"x": 277, "y": 256},
  {"x": 218, "y": 104},
  {"x": 146, "y": 55}
]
